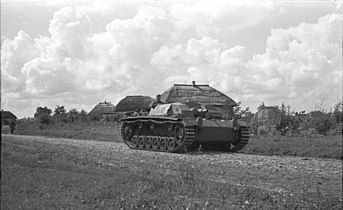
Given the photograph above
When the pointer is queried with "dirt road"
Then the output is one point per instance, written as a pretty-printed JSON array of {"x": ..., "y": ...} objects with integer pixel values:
[{"x": 289, "y": 175}]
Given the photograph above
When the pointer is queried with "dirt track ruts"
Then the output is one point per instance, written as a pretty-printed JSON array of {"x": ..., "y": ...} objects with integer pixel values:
[{"x": 284, "y": 174}]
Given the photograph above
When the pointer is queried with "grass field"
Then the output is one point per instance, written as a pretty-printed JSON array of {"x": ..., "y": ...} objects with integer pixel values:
[
  {"x": 319, "y": 147},
  {"x": 33, "y": 176}
]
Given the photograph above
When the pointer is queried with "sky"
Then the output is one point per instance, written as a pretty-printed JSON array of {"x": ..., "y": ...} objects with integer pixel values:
[{"x": 80, "y": 53}]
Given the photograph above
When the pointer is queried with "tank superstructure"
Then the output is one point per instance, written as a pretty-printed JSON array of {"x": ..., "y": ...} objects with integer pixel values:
[{"x": 177, "y": 127}]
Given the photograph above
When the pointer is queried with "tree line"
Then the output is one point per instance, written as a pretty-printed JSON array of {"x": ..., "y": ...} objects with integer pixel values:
[
  {"x": 278, "y": 120},
  {"x": 45, "y": 115}
]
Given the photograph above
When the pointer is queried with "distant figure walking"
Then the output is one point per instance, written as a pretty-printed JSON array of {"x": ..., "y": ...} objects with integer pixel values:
[
  {"x": 155, "y": 102},
  {"x": 12, "y": 125}
]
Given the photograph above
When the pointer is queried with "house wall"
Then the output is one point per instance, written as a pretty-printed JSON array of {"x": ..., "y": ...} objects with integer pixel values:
[
  {"x": 264, "y": 121},
  {"x": 6, "y": 121}
]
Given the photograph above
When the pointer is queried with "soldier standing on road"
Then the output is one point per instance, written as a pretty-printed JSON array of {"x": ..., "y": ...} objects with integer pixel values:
[
  {"x": 12, "y": 126},
  {"x": 155, "y": 102}
]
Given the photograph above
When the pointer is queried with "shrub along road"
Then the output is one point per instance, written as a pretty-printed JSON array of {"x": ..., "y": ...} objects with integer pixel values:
[{"x": 26, "y": 161}]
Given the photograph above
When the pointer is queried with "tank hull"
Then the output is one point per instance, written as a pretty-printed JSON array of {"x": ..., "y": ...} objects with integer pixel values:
[{"x": 172, "y": 134}]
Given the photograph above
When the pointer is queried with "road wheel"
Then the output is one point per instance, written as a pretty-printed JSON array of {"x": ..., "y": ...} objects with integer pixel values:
[
  {"x": 126, "y": 131},
  {"x": 171, "y": 144},
  {"x": 134, "y": 141},
  {"x": 141, "y": 142},
  {"x": 148, "y": 142},
  {"x": 163, "y": 143},
  {"x": 155, "y": 143}
]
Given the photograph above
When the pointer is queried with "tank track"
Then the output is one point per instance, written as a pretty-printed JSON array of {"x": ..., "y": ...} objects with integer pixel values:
[
  {"x": 242, "y": 141},
  {"x": 183, "y": 137}
]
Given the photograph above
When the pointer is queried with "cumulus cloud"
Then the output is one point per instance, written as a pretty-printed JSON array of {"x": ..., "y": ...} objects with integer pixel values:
[
  {"x": 306, "y": 59},
  {"x": 160, "y": 46},
  {"x": 14, "y": 54},
  {"x": 220, "y": 16},
  {"x": 300, "y": 64}
]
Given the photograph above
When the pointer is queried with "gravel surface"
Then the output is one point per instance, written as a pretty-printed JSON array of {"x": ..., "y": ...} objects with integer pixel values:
[{"x": 283, "y": 174}]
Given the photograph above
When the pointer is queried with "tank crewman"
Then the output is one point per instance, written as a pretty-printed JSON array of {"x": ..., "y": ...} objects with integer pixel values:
[
  {"x": 143, "y": 112},
  {"x": 135, "y": 113},
  {"x": 12, "y": 125},
  {"x": 155, "y": 102}
]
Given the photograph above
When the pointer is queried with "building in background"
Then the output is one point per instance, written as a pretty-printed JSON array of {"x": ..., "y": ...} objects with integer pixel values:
[
  {"x": 266, "y": 118},
  {"x": 265, "y": 112},
  {"x": 7, "y": 117},
  {"x": 102, "y": 110},
  {"x": 134, "y": 103}
]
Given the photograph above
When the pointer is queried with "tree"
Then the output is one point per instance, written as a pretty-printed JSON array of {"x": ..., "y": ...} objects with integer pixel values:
[
  {"x": 83, "y": 115},
  {"x": 283, "y": 119},
  {"x": 43, "y": 115},
  {"x": 59, "y": 110},
  {"x": 60, "y": 114},
  {"x": 320, "y": 121},
  {"x": 337, "y": 113},
  {"x": 73, "y": 115}
]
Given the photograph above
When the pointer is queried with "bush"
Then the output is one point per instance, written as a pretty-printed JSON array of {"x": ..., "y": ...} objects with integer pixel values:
[
  {"x": 43, "y": 115},
  {"x": 318, "y": 121},
  {"x": 336, "y": 130},
  {"x": 60, "y": 118},
  {"x": 338, "y": 112},
  {"x": 93, "y": 118},
  {"x": 322, "y": 126},
  {"x": 262, "y": 131}
]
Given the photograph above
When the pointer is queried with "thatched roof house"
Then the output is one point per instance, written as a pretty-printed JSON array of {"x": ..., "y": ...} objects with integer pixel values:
[
  {"x": 203, "y": 94},
  {"x": 101, "y": 108},
  {"x": 6, "y": 117},
  {"x": 131, "y": 103}
]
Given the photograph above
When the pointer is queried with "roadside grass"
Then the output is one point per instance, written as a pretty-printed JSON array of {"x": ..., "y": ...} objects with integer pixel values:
[
  {"x": 318, "y": 147},
  {"x": 303, "y": 146},
  {"x": 108, "y": 131},
  {"x": 47, "y": 181}
]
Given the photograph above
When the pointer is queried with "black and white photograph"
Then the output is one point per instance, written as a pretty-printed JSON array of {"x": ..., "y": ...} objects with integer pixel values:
[{"x": 171, "y": 104}]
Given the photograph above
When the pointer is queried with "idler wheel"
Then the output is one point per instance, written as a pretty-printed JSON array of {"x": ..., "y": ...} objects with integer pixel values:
[
  {"x": 148, "y": 142},
  {"x": 171, "y": 144},
  {"x": 127, "y": 131},
  {"x": 134, "y": 141},
  {"x": 163, "y": 143},
  {"x": 141, "y": 142},
  {"x": 155, "y": 142}
]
